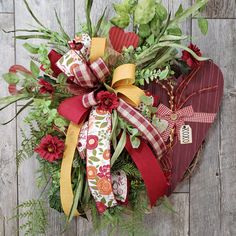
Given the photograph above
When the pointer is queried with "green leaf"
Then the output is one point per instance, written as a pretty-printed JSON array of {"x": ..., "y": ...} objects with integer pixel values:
[
  {"x": 11, "y": 78},
  {"x": 34, "y": 69},
  {"x": 98, "y": 26},
  {"x": 32, "y": 14},
  {"x": 120, "y": 147},
  {"x": 65, "y": 35},
  {"x": 144, "y": 12},
  {"x": 88, "y": 7},
  {"x": 203, "y": 25},
  {"x": 179, "y": 11},
  {"x": 188, "y": 12},
  {"x": 77, "y": 196},
  {"x": 60, "y": 122},
  {"x": 34, "y": 49},
  {"x": 163, "y": 75},
  {"x": 147, "y": 100},
  {"x": 121, "y": 21},
  {"x": 161, "y": 11},
  {"x": 11, "y": 99},
  {"x": 144, "y": 31},
  {"x": 135, "y": 141},
  {"x": 151, "y": 39},
  {"x": 174, "y": 30}
]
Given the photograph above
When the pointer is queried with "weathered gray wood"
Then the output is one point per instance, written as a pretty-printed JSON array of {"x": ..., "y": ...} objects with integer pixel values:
[
  {"x": 223, "y": 38},
  {"x": 212, "y": 196},
  {"x": 97, "y": 10},
  {"x": 221, "y": 9},
  {"x": 162, "y": 222},
  {"x": 44, "y": 10},
  {"x": 6, "y": 6},
  {"x": 8, "y": 175}
]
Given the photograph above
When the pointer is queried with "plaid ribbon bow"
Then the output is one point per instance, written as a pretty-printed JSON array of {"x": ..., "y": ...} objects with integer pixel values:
[
  {"x": 89, "y": 76},
  {"x": 178, "y": 118}
]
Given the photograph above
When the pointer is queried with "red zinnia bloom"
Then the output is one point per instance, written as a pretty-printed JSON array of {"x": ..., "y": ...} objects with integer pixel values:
[
  {"x": 50, "y": 148},
  {"x": 107, "y": 101},
  {"x": 189, "y": 59},
  {"x": 46, "y": 87}
]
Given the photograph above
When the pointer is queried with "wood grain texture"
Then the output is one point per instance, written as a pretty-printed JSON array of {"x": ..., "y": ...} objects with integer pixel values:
[
  {"x": 6, "y": 6},
  {"x": 44, "y": 10},
  {"x": 163, "y": 222},
  {"x": 215, "y": 182},
  {"x": 221, "y": 9},
  {"x": 8, "y": 174}
]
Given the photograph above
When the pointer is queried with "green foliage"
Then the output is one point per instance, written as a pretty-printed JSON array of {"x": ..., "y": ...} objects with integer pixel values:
[
  {"x": 27, "y": 148},
  {"x": 147, "y": 76},
  {"x": 11, "y": 78},
  {"x": 144, "y": 11},
  {"x": 203, "y": 25},
  {"x": 34, "y": 218},
  {"x": 34, "y": 69},
  {"x": 121, "y": 21},
  {"x": 161, "y": 11}
]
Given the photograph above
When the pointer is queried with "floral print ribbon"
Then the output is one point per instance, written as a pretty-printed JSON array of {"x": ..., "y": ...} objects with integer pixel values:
[{"x": 98, "y": 157}]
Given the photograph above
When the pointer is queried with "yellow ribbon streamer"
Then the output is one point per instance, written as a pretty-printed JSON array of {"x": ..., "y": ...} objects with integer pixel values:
[
  {"x": 66, "y": 190},
  {"x": 122, "y": 83}
]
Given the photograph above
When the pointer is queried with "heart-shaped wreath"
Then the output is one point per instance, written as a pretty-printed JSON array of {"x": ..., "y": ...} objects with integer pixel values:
[{"x": 116, "y": 117}]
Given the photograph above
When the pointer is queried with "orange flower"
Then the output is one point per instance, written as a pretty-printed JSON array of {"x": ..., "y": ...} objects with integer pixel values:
[
  {"x": 91, "y": 172},
  {"x": 104, "y": 186},
  {"x": 106, "y": 154}
]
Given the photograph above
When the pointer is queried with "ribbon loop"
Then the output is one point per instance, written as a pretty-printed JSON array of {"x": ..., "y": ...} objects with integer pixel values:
[{"x": 89, "y": 100}]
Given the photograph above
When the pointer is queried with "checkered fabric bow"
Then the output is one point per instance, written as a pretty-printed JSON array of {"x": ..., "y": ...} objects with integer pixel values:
[
  {"x": 89, "y": 76},
  {"x": 178, "y": 118}
]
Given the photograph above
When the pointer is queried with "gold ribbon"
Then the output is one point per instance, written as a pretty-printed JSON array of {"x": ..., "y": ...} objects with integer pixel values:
[{"x": 122, "y": 83}]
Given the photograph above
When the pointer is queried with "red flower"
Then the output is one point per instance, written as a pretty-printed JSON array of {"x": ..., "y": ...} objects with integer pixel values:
[
  {"x": 101, "y": 207},
  {"x": 189, "y": 59},
  {"x": 104, "y": 171},
  {"x": 50, "y": 148},
  {"x": 107, "y": 101},
  {"x": 45, "y": 87},
  {"x": 75, "y": 45},
  {"x": 92, "y": 142}
]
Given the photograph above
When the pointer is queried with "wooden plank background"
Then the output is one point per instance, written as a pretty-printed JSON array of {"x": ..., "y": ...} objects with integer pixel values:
[{"x": 206, "y": 204}]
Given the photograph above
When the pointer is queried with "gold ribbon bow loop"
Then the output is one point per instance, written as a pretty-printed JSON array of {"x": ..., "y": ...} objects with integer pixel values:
[{"x": 122, "y": 83}]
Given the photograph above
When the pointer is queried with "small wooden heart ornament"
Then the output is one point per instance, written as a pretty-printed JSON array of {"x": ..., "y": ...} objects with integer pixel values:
[
  {"x": 203, "y": 90},
  {"x": 120, "y": 39}
]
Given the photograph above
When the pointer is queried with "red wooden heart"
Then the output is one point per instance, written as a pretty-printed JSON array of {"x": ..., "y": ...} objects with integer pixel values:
[
  {"x": 208, "y": 75},
  {"x": 120, "y": 39}
]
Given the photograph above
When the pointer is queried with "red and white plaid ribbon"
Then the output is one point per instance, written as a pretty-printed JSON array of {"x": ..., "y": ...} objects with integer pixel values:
[
  {"x": 148, "y": 131},
  {"x": 178, "y": 118},
  {"x": 89, "y": 76}
]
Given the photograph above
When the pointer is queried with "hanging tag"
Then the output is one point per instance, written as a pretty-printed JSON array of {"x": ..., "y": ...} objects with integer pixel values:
[{"x": 186, "y": 134}]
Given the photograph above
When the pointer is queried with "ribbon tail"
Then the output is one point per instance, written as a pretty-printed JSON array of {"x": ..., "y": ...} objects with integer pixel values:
[
  {"x": 149, "y": 167},
  {"x": 66, "y": 191},
  {"x": 98, "y": 159}
]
